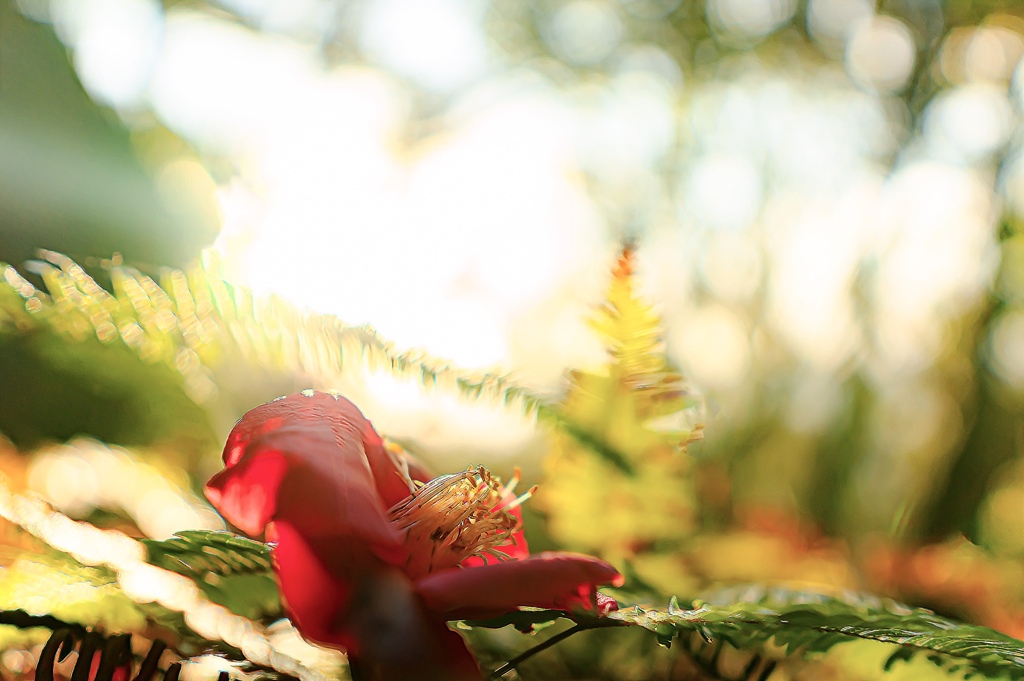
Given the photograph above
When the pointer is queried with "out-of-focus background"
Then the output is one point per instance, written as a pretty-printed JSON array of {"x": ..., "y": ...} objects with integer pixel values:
[{"x": 826, "y": 197}]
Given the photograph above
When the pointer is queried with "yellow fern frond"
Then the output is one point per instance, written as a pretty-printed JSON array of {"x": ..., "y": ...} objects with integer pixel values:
[
  {"x": 637, "y": 404},
  {"x": 630, "y": 327}
]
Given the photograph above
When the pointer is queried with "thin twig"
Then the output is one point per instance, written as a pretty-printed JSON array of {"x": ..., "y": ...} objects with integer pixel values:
[{"x": 540, "y": 647}]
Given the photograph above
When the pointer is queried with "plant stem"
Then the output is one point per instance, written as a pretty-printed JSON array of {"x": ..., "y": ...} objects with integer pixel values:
[{"x": 513, "y": 663}]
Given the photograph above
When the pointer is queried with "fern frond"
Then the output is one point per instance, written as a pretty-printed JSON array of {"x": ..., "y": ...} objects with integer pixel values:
[
  {"x": 218, "y": 336},
  {"x": 632, "y": 333},
  {"x": 775, "y": 622},
  {"x": 811, "y": 625},
  {"x": 205, "y": 552},
  {"x": 55, "y": 584},
  {"x": 639, "y": 405},
  {"x": 231, "y": 570},
  {"x": 629, "y": 326},
  {"x": 107, "y": 653},
  {"x": 101, "y": 655},
  {"x": 169, "y": 591}
]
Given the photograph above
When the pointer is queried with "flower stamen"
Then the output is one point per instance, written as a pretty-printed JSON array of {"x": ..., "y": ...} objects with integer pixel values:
[{"x": 454, "y": 517}]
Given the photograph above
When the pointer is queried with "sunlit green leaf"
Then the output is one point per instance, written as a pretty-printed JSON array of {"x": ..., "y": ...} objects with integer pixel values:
[
  {"x": 802, "y": 624},
  {"x": 232, "y": 571}
]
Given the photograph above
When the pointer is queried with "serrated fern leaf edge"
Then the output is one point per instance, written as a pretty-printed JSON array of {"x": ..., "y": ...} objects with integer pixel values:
[
  {"x": 145, "y": 583},
  {"x": 818, "y": 628}
]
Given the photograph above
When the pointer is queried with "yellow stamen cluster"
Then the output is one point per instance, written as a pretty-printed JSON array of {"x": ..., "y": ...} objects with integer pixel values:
[{"x": 454, "y": 517}]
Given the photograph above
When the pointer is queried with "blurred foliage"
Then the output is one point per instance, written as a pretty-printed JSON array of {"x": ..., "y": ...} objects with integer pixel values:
[
  {"x": 227, "y": 351},
  {"x": 166, "y": 359},
  {"x": 57, "y": 585},
  {"x": 76, "y": 576},
  {"x": 99, "y": 392},
  {"x": 639, "y": 405},
  {"x": 69, "y": 175},
  {"x": 775, "y": 624}
]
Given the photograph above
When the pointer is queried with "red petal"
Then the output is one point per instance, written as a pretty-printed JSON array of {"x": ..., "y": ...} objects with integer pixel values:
[
  {"x": 306, "y": 474},
  {"x": 561, "y": 581},
  {"x": 393, "y": 471},
  {"x": 246, "y": 494},
  {"x": 323, "y": 409},
  {"x": 315, "y": 584},
  {"x": 340, "y": 595},
  {"x": 517, "y": 549}
]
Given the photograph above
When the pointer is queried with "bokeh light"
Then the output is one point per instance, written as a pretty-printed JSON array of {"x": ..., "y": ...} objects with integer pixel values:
[
  {"x": 826, "y": 197},
  {"x": 83, "y": 476},
  {"x": 750, "y": 19},
  {"x": 584, "y": 32},
  {"x": 880, "y": 54}
]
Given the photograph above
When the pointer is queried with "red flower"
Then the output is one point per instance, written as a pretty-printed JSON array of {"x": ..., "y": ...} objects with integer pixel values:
[{"x": 375, "y": 557}]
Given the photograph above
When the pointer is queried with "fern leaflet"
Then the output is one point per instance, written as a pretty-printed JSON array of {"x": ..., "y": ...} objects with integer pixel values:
[{"x": 216, "y": 334}]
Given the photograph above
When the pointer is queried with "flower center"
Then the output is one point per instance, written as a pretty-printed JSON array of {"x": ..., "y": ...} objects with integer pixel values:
[{"x": 454, "y": 517}]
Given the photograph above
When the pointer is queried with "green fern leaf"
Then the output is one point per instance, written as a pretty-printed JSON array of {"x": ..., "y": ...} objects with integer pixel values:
[
  {"x": 54, "y": 584},
  {"x": 198, "y": 552},
  {"x": 169, "y": 597},
  {"x": 232, "y": 571},
  {"x": 216, "y": 335},
  {"x": 199, "y": 323},
  {"x": 811, "y": 623},
  {"x": 779, "y": 622}
]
